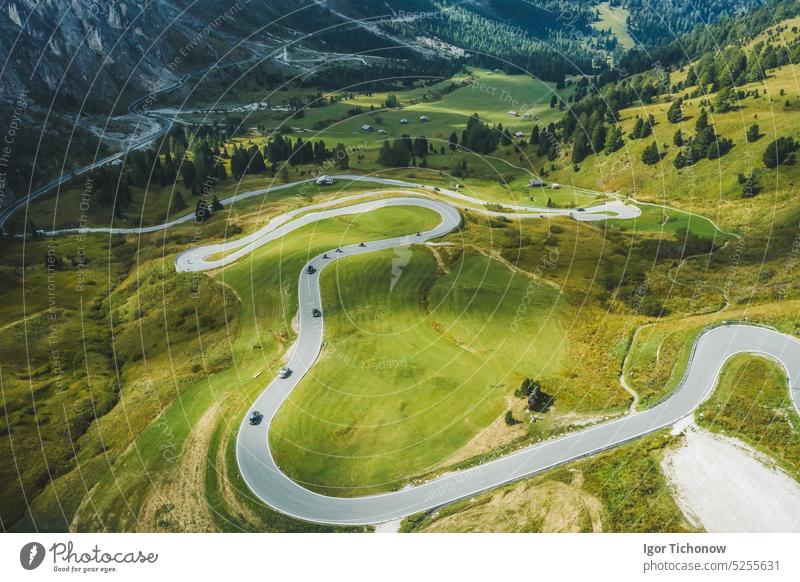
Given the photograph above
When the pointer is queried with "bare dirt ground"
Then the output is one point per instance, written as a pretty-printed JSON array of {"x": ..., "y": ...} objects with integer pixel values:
[
  {"x": 493, "y": 436},
  {"x": 549, "y": 507},
  {"x": 723, "y": 485},
  {"x": 178, "y": 504}
]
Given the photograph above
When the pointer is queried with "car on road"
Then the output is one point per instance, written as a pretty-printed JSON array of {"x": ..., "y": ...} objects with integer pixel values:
[
  {"x": 255, "y": 417},
  {"x": 339, "y": 251},
  {"x": 325, "y": 256},
  {"x": 437, "y": 189},
  {"x": 581, "y": 210},
  {"x": 361, "y": 244},
  {"x": 311, "y": 270},
  {"x": 284, "y": 372},
  {"x": 316, "y": 313}
]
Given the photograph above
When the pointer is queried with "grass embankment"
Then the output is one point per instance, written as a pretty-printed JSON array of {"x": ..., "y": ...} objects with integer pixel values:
[
  {"x": 89, "y": 357},
  {"x": 751, "y": 402},
  {"x": 660, "y": 352},
  {"x": 424, "y": 373},
  {"x": 163, "y": 380},
  {"x": 622, "y": 490}
]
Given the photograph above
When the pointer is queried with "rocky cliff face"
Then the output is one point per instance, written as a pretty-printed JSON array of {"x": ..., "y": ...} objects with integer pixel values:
[
  {"x": 96, "y": 50},
  {"x": 80, "y": 48}
]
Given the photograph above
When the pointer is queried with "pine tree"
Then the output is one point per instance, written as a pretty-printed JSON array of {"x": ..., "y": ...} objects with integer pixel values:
[
  {"x": 779, "y": 151},
  {"x": 675, "y": 111},
  {"x": 580, "y": 148},
  {"x": 723, "y": 100},
  {"x": 178, "y": 203},
  {"x": 342, "y": 157},
  {"x": 385, "y": 155},
  {"x": 201, "y": 211},
  {"x": 453, "y": 141},
  {"x": 598, "y": 137},
  {"x": 614, "y": 140},
  {"x": 535, "y": 135},
  {"x": 650, "y": 155},
  {"x": 702, "y": 121}
]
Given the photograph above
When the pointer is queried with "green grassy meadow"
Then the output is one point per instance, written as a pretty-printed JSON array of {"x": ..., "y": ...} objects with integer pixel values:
[{"x": 408, "y": 376}]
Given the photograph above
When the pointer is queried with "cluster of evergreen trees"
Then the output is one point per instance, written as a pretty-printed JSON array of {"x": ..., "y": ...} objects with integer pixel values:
[
  {"x": 706, "y": 40},
  {"x": 247, "y": 161},
  {"x": 653, "y": 22},
  {"x": 197, "y": 162},
  {"x": 552, "y": 53},
  {"x": 109, "y": 187},
  {"x": 479, "y": 137},
  {"x": 405, "y": 151},
  {"x": 545, "y": 141},
  {"x": 643, "y": 127},
  {"x": 704, "y": 144}
]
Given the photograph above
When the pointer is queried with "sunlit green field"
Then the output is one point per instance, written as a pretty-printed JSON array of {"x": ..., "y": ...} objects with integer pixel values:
[
  {"x": 614, "y": 18},
  {"x": 411, "y": 372},
  {"x": 489, "y": 94}
]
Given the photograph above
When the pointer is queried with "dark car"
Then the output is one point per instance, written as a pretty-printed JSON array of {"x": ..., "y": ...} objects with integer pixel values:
[
  {"x": 255, "y": 417},
  {"x": 437, "y": 189},
  {"x": 284, "y": 372},
  {"x": 339, "y": 251},
  {"x": 310, "y": 270},
  {"x": 316, "y": 312},
  {"x": 581, "y": 210},
  {"x": 325, "y": 256},
  {"x": 361, "y": 244}
]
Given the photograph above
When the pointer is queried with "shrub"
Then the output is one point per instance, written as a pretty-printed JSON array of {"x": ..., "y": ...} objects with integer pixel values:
[
  {"x": 510, "y": 420},
  {"x": 780, "y": 151}
]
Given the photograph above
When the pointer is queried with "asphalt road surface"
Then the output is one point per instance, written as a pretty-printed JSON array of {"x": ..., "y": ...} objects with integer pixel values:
[{"x": 604, "y": 211}]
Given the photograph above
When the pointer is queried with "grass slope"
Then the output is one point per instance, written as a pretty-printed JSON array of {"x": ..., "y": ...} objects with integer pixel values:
[
  {"x": 409, "y": 376},
  {"x": 751, "y": 402}
]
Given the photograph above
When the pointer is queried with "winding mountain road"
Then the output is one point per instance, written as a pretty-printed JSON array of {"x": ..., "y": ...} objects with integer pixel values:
[{"x": 257, "y": 465}]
